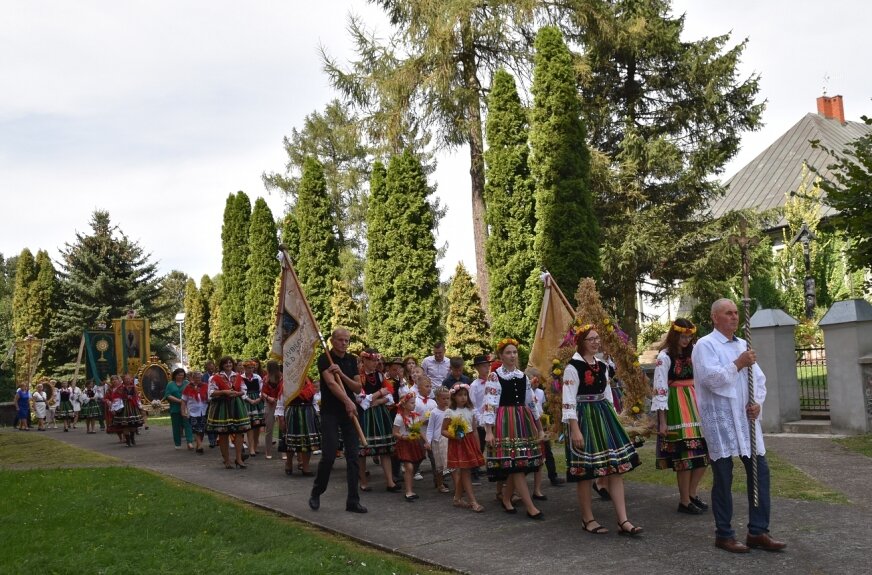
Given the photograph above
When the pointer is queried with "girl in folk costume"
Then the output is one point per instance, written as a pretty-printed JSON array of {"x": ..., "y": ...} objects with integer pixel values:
[
  {"x": 374, "y": 398},
  {"x": 128, "y": 414},
  {"x": 409, "y": 449},
  {"x": 195, "y": 395},
  {"x": 64, "y": 410},
  {"x": 40, "y": 405},
  {"x": 598, "y": 446},
  {"x": 303, "y": 435},
  {"x": 464, "y": 453},
  {"x": 273, "y": 408},
  {"x": 680, "y": 444},
  {"x": 22, "y": 406},
  {"x": 410, "y": 364},
  {"x": 111, "y": 401},
  {"x": 513, "y": 433},
  {"x": 254, "y": 402},
  {"x": 90, "y": 408},
  {"x": 227, "y": 414}
]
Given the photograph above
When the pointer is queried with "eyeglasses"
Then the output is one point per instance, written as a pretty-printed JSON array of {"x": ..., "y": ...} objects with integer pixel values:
[{"x": 592, "y": 339}]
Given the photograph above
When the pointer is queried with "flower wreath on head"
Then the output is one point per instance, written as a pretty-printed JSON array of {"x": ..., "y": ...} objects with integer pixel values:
[
  {"x": 580, "y": 328},
  {"x": 506, "y": 341},
  {"x": 684, "y": 330},
  {"x": 367, "y": 355},
  {"x": 457, "y": 387}
]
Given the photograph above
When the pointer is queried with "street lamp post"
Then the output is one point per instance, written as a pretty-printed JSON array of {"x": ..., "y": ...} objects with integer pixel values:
[
  {"x": 180, "y": 319},
  {"x": 805, "y": 236}
]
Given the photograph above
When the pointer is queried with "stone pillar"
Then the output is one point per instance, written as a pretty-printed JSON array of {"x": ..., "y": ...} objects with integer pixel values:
[
  {"x": 866, "y": 366},
  {"x": 772, "y": 339},
  {"x": 847, "y": 328}
]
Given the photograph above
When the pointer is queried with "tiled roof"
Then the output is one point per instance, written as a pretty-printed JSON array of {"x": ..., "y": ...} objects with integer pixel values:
[{"x": 764, "y": 183}]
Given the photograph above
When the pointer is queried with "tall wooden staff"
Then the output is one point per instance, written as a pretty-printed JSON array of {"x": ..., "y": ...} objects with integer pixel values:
[{"x": 745, "y": 243}]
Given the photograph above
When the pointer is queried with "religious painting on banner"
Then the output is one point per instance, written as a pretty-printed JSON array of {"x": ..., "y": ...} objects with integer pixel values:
[
  {"x": 153, "y": 379},
  {"x": 296, "y": 333},
  {"x": 132, "y": 344},
  {"x": 100, "y": 355}
]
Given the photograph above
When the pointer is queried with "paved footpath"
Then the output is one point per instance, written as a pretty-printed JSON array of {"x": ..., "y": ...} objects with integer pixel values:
[{"x": 822, "y": 538}]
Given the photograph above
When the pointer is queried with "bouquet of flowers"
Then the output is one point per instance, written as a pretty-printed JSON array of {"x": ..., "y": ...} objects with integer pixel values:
[
  {"x": 458, "y": 427},
  {"x": 415, "y": 431}
]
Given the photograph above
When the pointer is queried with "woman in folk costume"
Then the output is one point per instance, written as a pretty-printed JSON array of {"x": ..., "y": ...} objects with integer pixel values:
[
  {"x": 90, "y": 408},
  {"x": 64, "y": 409},
  {"x": 374, "y": 399},
  {"x": 598, "y": 446},
  {"x": 228, "y": 414},
  {"x": 128, "y": 414},
  {"x": 254, "y": 402},
  {"x": 303, "y": 435},
  {"x": 513, "y": 432},
  {"x": 111, "y": 402},
  {"x": 195, "y": 395},
  {"x": 680, "y": 443}
]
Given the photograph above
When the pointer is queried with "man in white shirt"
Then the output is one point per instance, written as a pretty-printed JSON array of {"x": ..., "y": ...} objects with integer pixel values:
[
  {"x": 720, "y": 364},
  {"x": 436, "y": 366}
]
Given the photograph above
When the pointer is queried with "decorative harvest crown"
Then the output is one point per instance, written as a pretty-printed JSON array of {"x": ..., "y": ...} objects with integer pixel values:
[
  {"x": 684, "y": 330},
  {"x": 506, "y": 341},
  {"x": 580, "y": 328},
  {"x": 366, "y": 355}
]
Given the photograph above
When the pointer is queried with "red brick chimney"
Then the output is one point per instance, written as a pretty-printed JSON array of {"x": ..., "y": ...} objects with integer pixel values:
[{"x": 831, "y": 107}]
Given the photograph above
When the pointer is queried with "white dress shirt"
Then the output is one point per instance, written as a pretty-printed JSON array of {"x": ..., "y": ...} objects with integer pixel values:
[
  {"x": 476, "y": 396},
  {"x": 722, "y": 395},
  {"x": 437, "y": 371}
]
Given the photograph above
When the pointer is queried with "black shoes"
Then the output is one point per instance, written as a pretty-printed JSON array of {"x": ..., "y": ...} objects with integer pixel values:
[
  {"x": 689, "y": 509},
  {"x": 315, "y": 502},
  {"x": 356, "y": 508},
  {"x": 557, "y": 482},
  {"x": 699, "y": 503}
]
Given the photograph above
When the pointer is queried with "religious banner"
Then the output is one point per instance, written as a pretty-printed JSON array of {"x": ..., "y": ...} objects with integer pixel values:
[
  {"x": 132, "y": 344},
  {"x": 555, "y": 318},
  {"x": 100, "y": 355},
  {"x": 153, "y": 379},
  {"x": 296, "y": 333}
]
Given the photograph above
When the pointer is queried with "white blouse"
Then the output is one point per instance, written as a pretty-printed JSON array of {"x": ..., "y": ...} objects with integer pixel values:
[
  {"x": 493, "y": 390},
  {"x": 660, "y": 399},
  {"x": 570, "y": 389}
]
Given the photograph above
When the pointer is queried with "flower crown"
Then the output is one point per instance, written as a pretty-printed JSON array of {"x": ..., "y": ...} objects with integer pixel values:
[
  {"x": 580, "y": 328},
  {"x": 367, "y": 355},
  {"x": 684, "y": 330},
  {"x": 457, "y": 387},
  {"x": 506, "y": 341}
]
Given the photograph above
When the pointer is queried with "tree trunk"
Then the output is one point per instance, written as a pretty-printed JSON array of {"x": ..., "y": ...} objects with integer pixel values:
[
  {"x": 627, "y": 302},
  {"x": 476, "y": 160}
]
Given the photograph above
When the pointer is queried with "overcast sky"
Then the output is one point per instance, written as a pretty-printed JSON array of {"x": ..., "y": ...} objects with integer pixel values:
[{"x": 157, "y": 110}]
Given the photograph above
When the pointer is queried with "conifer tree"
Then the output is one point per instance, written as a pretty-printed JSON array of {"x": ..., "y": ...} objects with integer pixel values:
[
  {"x": 25, "y": 315},
  {"x": 234, "y": 269},
  {"x": 378, "y": 279},
  {"x": 213, "y": 291},
  {"x": 467, "y": 332},
  {"x": 346, "y": 313},
  {"x": 515, "y": 289},
  {"x": 291, "y": 234},
  {"x": 317, "y": 262},
  {"x": 263, "y": 269},
  {"x": 196, "y": 326},
  {"x": 567, "y": 232}
]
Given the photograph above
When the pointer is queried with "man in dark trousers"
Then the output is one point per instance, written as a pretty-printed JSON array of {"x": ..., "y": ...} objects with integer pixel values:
[{"x": 339, "y": 382}]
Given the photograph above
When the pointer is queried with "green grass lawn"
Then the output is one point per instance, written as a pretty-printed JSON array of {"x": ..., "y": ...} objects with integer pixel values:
[
  {"x": 786, "y": 480},
  {"x": 125, "y": 520},
  {"x": 860, "y": 443},
  {"x": 33, "y": 449}
]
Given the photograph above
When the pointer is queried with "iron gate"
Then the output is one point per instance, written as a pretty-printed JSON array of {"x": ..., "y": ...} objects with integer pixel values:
[{"x": 811, "y": 371}]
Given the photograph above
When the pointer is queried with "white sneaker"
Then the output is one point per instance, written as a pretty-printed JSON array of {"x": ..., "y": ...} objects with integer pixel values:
[
  {"x": 316, "y": 452},
  {"x": 418, "y": 477}
]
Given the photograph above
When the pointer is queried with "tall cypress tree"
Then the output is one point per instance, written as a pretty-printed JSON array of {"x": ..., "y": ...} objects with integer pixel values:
[
  {"x": 25, "y": 316},
  {"x": 515, "y": 289},
  {"x": 346, "y": 313},
  {"x": 196, "y": 326},
  {"x": 318, "y": 257},
  {"x": 567, "y": 232},
  {"x": 234, "y": 269},
  {"x": 263, "y": 269},
  {"x": 213, "y": 291},
  {"x": 413, "y": 319},
  {"x": 291, "y": 234},
  {"x": 467, "y": 332},
  {"x": 378, "y": 270}
]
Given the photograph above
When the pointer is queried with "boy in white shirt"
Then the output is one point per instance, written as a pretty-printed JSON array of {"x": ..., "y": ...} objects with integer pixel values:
[
  {"x": 435, "y": 442},
  {"x": 424, "y": 405},
  {"x": 481, "y": 364}
]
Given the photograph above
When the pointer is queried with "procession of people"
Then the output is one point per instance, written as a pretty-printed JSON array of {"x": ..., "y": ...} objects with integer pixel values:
[{"x": 396, "y": 415}]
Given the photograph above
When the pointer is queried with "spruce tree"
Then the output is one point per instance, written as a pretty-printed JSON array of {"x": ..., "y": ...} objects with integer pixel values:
[
  {"x": 263, "y": 269},
  {"x": 467, "y": 332},
  {"x": 25, "y": 314},
  {"x": 413, "y": 319},
  {"x": 317, "y": 262},
  {"x": 567, "y": 232},
  {"x": 515, "y": 289},
  {"x": 234, "y": 269},
  {"x": 172, "y": 289},
  {"x": 213, "y": 292},
  {"x": 378, "y": 270},
  {"x": 196, "y": 326}
]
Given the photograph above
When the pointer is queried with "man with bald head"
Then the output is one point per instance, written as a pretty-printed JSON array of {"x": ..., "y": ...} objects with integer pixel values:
[
  {"x": 340, "y": 382},
  {"x": 720, "y": 366}
]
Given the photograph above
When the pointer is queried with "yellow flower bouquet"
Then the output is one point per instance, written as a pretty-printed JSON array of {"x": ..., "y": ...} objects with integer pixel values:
[
  {"x": 415, "y": 431},
  {"x": 458, "y": 427}
]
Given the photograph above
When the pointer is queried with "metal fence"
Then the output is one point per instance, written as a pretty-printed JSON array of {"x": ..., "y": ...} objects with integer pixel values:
[{"x": 811, "y": 371}]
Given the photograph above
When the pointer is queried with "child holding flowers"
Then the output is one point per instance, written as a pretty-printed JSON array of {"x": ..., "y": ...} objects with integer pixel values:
[
  {"x": 409, "y": 449},
  {"x": 464, "y": 454}
]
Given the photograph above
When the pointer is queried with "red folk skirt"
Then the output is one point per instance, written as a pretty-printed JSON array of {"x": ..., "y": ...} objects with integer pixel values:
[
  {"x": 465, "y": 453},
  {"x": 409, "y": 450}
]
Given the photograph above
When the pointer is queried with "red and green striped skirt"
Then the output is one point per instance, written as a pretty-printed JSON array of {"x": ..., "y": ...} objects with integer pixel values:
[
  {"x": 516, "y": 446},
  {"x": 684, "y": 447},
  {"x": 227, "y": 415}
]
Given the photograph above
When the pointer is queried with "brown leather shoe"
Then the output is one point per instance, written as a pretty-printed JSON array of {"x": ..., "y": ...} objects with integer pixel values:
[
  {"x": 764, "y": 542},
  {"x": 731, "y": 545}
]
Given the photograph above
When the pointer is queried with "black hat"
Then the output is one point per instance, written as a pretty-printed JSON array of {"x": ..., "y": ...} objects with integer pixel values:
[{"x": 480, "y": 359}]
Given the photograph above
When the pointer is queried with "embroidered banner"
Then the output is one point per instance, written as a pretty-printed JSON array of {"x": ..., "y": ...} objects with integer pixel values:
[{"x": 100, "y": 355}]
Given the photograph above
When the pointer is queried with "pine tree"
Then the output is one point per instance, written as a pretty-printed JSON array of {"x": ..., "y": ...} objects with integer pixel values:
[
  {"x": 263, "y": 269},
  {"x": 412, "y": 323},
  {"x": 378, "y": 270},
  {"x": 25, "y": 313},
  {"x": 467, "y": 333},
  {"x": 567, "y": 232},
  {"x": 103, "y": 275},
  {"x": 346, "y": 313},
  {"x": 172, "y": 289},
  {"x": 196, "y": 326},
  {"x": 213, "y": 292},
  {"x": 234, "y": 269},
  {"x": 515, "y": 289},
  {"x": 317, "y": 262}
]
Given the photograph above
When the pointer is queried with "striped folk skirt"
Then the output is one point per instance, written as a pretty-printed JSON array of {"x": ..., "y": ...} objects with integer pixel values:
[
  {"x": 90, "y": 410},
  {"x": 378, "y": 429},
  {"x": 409, "y": 450},
  {"x": 516, "y": 446},
  {"x": 64, "y": 410},
  {"x": 128, "y": 416},
  {"x": 255, "y": 411},
  {"x": 303, "y": 426},
  {"x": 684, "y": 447},
  {"x": 607, "y": 448},
  {"x": 464, "y": 453},
  {"x": 227, "y": 415}
]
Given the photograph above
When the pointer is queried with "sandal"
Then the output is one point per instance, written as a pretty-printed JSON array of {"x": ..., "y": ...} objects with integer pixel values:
[
  {"x": 632, "y": 532},
  {"x": 443, "y": 489},
  {"x": 598, "y": 530},
  {"x": 462, "y": 503},
  {"x": 477, "y": 507}
]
